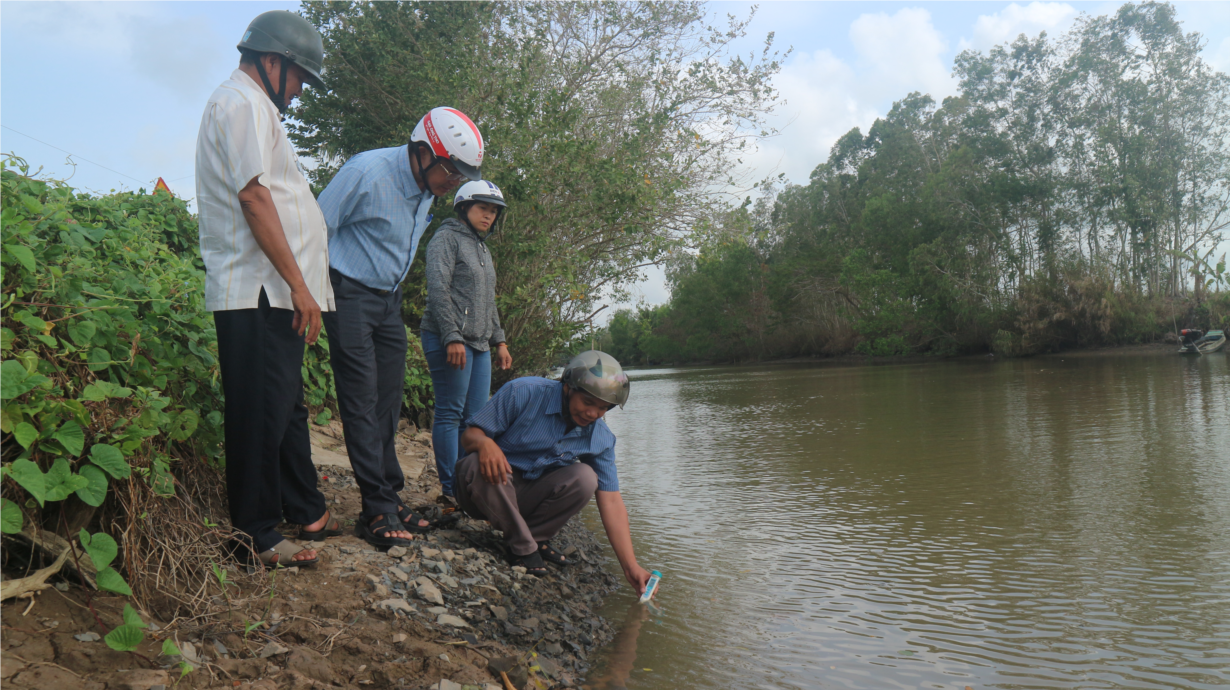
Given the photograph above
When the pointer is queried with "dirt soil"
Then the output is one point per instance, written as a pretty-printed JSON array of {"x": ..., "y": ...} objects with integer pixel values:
[{"x": 433, "y": 615}]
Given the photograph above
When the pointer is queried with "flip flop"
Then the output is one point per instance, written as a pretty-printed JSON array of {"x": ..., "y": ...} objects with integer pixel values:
[
  {"x": 332, "y": 528},
  {"x": 532, "y": 563},
  {"x": 550, "y": 555},
  {"x": 282, "y": 555},
  {"x": 375, "y": 534}
]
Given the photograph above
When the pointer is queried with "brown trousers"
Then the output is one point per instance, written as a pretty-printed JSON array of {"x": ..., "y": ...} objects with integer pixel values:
[{"x": 526, "y": 511}]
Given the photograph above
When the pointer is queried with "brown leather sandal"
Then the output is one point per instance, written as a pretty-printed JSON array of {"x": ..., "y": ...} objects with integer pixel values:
[{"x": 282, "y": 555}]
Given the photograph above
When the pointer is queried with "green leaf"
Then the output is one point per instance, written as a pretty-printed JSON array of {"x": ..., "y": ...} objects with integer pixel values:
[
  {"x": 131, "y": 617},
  {"x": 110, "y": 459},
  {"x": 99, "y": 359},
  {"x": 101, "y": 547},
  {"x": 183, "y": 426},
  {"x": 95, "y": 492},
  {"x": 112, "y": 581},
  {"x": 30, "y": 477},
  {"x": 32, "y": 322},
  {"x": 169, "y": 648},
  {"x": 10, "y": 517},
  {"x": 82, "y": 332},
  {"x": 25, "y": 433},
  {"x": 22, "y": 254},
  {"x": 72, "y": 437},
  {"x": 93, "y": 393},
  {"x": 101, "y": 390},
  {"x": 13, "y": 379},
  {"x": 6, "y": 339},
  {"x": 61, "y": 482},
  {"x": 124, "y": 638},
  {"x": 324, "y": 417}
]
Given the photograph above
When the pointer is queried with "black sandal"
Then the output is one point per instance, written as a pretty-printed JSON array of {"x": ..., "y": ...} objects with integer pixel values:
[
  {"x": 374, "y": 534},
  {"x": 532, "y": 563},
  {"x": 552, "y": 556},
  {"x": 332, "y": 528},
  {"x": 411, "y": 522}
]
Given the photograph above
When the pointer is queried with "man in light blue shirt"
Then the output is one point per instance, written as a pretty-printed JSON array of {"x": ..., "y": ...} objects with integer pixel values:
[{"x": 377, "y": 208}]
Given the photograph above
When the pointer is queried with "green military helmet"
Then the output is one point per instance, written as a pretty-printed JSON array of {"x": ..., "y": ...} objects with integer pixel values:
[
  {"x": 291, "y": 36},
  {"x": 598, "y": 374}
]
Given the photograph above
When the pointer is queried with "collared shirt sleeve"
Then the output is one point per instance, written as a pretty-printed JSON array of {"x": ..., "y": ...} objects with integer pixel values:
[
  {"x": 243, "y": 135},
  {"x": 501, "y": 411},
  {"x": 603, "y": 465},
  {"x": 441, "y": 261},
  {"x": 345, "y": 192}
]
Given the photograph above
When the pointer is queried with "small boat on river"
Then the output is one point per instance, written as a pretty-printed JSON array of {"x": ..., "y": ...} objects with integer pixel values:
[{"x": 1196, "y": 342}]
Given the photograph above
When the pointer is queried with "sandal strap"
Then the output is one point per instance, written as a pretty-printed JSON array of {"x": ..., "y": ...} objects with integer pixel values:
[
  {"x": 387, "y": 522},
  {"x": 281, "y": 553},
  {"x": 532, "y": 561}
]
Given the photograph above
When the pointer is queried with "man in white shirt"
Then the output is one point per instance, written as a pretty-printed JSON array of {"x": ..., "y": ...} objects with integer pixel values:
[{"x": 264, "y": 243}]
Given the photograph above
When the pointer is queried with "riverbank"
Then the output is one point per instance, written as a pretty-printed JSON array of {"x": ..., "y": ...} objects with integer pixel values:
[{"x": 435, "y": 613}]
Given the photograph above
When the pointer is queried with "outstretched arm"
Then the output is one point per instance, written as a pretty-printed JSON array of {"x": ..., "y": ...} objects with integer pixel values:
[{"x": 615, "y": 521}]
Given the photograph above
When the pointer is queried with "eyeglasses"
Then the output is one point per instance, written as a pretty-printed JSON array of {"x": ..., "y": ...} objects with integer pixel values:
[{"x": 450, "y": 170}]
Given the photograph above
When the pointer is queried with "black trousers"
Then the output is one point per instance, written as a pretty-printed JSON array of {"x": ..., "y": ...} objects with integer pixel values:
[
  {"x": 367, "y": 348},
  {"x": 269, "y": 471}
]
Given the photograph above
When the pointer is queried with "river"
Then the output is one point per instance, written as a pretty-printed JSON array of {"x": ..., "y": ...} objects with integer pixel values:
[{"x": 1052, "y": 522}]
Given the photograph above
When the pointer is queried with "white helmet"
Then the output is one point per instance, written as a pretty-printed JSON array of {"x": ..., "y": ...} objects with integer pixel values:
[
  {"x": 451, "y": 135},
  {"x": 479, "y": 190}
]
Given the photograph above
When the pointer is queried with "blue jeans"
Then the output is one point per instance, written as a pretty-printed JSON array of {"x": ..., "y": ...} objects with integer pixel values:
[{"x": 459, "y": 393}]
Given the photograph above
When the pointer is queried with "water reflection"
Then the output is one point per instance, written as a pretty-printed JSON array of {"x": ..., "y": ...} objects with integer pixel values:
[
  {"x": 619, "y": 658},
  {"x": 1043, "y": 523}
]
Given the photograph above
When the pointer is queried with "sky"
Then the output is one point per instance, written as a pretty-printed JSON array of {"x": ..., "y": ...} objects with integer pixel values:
[{"x": 121, "y": 86}]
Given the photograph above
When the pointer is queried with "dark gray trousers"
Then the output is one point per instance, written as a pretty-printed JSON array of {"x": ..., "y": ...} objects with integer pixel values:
[
  {"x": 367, "y": 348},
  {"x": 526, "y": 511},
  {"x": 269, "y": 471}
]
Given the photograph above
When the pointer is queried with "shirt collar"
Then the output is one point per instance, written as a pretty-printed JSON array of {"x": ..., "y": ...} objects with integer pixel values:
[
  {"x": 250, "y": 83},
  {"x": 405, "y": 175}
]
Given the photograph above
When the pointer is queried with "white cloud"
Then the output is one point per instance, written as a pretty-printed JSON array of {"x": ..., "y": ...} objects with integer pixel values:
[
  {"x": 1220, "y": 59},
  {"x": 177, "y": 53},
  {"x": 903, "y": 52},
  {"x": 1006, "y": 25}
]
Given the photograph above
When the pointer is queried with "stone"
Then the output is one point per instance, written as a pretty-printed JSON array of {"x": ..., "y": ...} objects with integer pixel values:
[
  {"x": 312, "y": 664},
  {"x": 188, "y": 651},
  {"x": 397, "y": 551},
  {"x": 430, "y": 553},
  {"x": 380, "y": 590},
  {"x": 10, "y": 667},
  {"x": 520, "y": 570},
  {"x": 499, "y": 612},
  {"x": 88, "y": 637},
  {"x": 394, "y": 604},
  {"x": 398, "y": 574},
  {"x": 454, "y": 621},
  {"x": 531, "y": 623},
  {"x": 449, "y": 582},
  {"x": 439, "y": 566},
  {"x": 436, "y": 610},
  {"x": 399, "y": 637},
  {"x": 272, "y": 649},
  {"x": 448, "y": 555},
  {"x": 445, "y": 684},
  {"x": 221, "y": 648},
  {"x": 549, "y": 667},
  {"x": 553, "y": 648},
  {"x": 427, "y": 591},
  {"x": 140, "y": 679}
]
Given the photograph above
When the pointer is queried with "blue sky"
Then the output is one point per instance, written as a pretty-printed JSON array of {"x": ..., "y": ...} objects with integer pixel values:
[{"x": 123, "y": 84}]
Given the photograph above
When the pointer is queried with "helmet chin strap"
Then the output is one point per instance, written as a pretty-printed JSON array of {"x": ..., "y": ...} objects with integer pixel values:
[{"x": 278, "y": 97}]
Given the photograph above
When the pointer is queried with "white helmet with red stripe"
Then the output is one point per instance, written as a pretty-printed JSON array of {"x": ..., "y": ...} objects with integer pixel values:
[{"x": 452, "y": 136}]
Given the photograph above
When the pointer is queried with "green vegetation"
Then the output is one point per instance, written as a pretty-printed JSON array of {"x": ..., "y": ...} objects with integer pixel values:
[{"x": 1070, "y": 196}]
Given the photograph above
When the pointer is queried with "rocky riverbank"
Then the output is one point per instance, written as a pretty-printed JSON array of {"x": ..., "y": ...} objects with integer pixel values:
[{"x": 446, "y": 612}]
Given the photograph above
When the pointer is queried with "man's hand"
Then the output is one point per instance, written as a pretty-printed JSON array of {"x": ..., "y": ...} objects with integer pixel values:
[
  {"x": 456, "y": 355},
  {"x": 638, "y": 577},
  {"x": 307, "y": 314},
  {"x": 503, "y": 360},
  {"x": 493, "y": 464}
]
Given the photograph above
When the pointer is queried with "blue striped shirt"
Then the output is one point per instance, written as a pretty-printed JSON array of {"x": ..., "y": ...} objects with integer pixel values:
[
  {"x": 376, "y": 215},
  {"x": 526, "y": 420}
]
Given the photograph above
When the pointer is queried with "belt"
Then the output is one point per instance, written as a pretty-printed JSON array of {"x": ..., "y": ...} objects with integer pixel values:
[{"x": 337, "y": 275}]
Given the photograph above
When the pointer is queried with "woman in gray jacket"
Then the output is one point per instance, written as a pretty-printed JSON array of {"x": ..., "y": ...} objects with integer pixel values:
[{"x": 460, "y": 325}]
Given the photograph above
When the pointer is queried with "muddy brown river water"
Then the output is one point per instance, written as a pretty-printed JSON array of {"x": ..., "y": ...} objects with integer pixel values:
[{"x": 1053, "y": 522}]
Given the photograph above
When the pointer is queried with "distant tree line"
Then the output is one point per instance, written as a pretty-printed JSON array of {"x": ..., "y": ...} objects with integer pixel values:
[{"x": 1071, "y": 195}]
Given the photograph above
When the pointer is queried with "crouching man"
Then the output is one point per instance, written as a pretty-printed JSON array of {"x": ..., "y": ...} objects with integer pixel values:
[{"x": 538, "y": 451}]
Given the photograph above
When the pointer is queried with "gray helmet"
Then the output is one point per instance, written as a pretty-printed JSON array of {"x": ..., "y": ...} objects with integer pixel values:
[
  {"x": 291, "y": 36},
  {"x": 598, "y": 374}
]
